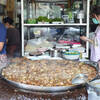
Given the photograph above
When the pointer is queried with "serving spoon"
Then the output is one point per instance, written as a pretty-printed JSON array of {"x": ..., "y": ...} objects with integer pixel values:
[{"x": 80, "y": 79}]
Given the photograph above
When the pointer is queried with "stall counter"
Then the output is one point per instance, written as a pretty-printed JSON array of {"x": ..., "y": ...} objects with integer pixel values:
[{"x": 9, "y": 93}]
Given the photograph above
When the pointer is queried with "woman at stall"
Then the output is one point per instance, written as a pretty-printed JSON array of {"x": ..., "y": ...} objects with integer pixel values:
[
  {"x": 3, "y": 57},
  {"x": 95, "y": 41}
]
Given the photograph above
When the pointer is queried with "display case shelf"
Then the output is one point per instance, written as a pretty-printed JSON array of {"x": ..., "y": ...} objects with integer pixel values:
[
  {"x": 50, "y": 1},
  {"x": 50, "y": 25}
]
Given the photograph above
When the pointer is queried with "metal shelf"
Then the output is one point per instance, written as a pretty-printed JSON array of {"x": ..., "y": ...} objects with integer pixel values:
[
  {"x": 50, "y": 25},
  {"x": 50, "y": 1}
]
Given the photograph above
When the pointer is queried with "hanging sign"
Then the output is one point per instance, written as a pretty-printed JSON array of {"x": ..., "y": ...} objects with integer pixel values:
[{"x": 3, "y": 2}]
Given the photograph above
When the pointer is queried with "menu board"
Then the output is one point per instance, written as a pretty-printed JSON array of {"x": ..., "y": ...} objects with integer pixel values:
[{"x": 3, "y": 2}]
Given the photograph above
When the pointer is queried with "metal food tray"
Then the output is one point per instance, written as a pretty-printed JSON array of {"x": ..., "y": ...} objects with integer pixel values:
[{"x": 32, "y": 88}]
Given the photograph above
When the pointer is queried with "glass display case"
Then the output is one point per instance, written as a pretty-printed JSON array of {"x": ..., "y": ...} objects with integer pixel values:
[{"x": 46, "y": 23}]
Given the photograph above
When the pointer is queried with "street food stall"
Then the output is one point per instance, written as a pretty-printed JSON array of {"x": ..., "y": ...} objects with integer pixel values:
[{"x": 54, "y": 64}]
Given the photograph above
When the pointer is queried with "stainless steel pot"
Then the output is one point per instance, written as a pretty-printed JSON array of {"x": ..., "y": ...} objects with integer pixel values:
[{"x": 94, "y": 86}]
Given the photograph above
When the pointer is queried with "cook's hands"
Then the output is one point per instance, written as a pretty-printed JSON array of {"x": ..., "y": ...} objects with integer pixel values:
[
  {"x": 84, "y": 38},
  {"x": 99, "y": 67}
]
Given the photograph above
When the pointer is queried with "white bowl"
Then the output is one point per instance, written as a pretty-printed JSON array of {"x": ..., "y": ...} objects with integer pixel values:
[{"x": 71, "y": 57}]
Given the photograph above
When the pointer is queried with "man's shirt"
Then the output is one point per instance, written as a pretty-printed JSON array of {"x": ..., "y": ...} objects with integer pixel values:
[{"x": 3, "y": 32}]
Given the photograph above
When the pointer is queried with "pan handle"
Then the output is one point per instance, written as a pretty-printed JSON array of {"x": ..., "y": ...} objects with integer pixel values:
[{"x": 95, "y": 64}]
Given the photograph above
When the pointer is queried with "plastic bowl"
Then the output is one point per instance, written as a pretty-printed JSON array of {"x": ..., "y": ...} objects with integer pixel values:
[{"x": 71, "y": 55}]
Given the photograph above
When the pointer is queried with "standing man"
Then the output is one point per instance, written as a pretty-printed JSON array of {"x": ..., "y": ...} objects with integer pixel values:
[{"x": 3, "y": 57}]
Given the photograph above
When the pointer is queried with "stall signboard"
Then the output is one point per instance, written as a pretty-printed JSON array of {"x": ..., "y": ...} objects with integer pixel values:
[{"x": 3, "y": 2}]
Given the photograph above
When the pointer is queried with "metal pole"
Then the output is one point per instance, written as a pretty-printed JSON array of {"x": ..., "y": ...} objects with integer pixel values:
[
  {"x": 87, "y": 28},
  {"x": 22, "y": 23}
]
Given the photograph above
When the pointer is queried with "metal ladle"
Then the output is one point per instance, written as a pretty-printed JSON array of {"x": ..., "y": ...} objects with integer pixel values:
[{"x": 79, "y": 79}]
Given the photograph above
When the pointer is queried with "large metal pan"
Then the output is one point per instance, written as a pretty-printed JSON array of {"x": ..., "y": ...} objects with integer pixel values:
[{"x": 32, "y": 88}]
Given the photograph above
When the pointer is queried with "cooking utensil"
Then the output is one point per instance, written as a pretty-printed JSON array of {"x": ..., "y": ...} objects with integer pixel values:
[
  {"x": 31, "y": 88},
  {"x": 35, "y": 53},
  {"x": 79, "y": 79}
]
